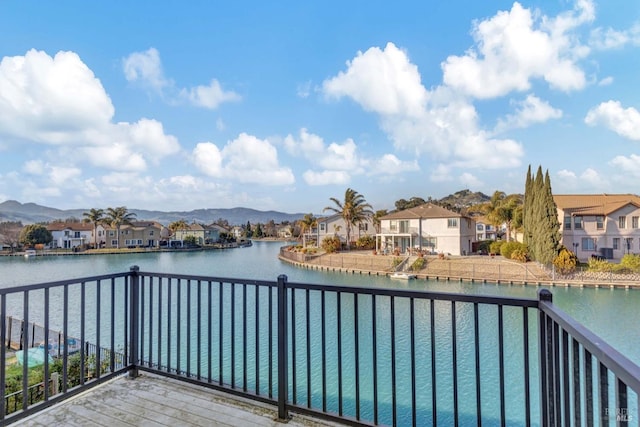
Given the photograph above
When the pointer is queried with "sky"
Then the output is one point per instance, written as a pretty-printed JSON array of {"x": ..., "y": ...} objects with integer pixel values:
[{"x": 282, "y": 105}]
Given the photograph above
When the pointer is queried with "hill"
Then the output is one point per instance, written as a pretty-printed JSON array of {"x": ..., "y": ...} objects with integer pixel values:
[
  {"x": 29, "y": 213},
  {"x": 464, "y": 199}
]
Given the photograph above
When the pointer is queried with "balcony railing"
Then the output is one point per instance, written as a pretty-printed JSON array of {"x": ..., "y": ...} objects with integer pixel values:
[{"x": 360, "y": 356}]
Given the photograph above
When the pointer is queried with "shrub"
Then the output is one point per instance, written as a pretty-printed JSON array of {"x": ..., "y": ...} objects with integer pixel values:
[
  {"x": 520, "y": 255},
  {"x": 507, "y": 249},
  {"x": 566, "y": 261},
  {"x": 331, "y": 244},
  {"x": 366, "y": 242},
  {"x": 483, "y": 247},
  {"x": 418, "y": 264},
  {"x": 494, "y": 247},
  {"x": 631, "y": 262},
  {"x": 396, "y": 261},
  {"x": 598, "y": 265}
]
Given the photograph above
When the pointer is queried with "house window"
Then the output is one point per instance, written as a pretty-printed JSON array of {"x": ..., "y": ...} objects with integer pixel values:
[
  {"x": 599, "y": 222},
  {"x": 567, "y": 223},
  {"x": 480, "y": 236},
  {"x": 480, "y": 227},
  {"x": 151, "y": 233},
  {"x": 577, "y": 222},
  {"x": 76, "y": 234},
  {"x": 452, "y": 222},
  {"x": 628, "y": 243},
  {"x": 429, "y": 242},
  {"x": 322, "y": 226},
  {"x": 363, "y": 227},
  {"x": 588, "y": 244},
  {"x": 111, "y": 234},
  {"x": 622, "y": 222},
  {"x": 634, "y": 222},
  {"x": 139, "y": 241},
  {"x": 114, "y": 242},
  {"x": 404, "y": 226},
  {"x": 616, "y": 243},
  {"x": 393, "y": 225}
]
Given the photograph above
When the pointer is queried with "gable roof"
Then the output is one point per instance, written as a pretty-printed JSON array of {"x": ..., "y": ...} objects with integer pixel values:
[
  {"x": 594, "y": 204},
  {"x": 73, "y": 226},
  {"x": 428, "y": 210}
]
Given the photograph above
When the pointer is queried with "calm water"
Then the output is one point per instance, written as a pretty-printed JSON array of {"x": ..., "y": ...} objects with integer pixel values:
[{"x": 612, "y": 314}]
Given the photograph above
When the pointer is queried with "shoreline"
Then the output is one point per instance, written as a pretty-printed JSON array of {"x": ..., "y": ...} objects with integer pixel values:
[{"x": 493, "y": 266}]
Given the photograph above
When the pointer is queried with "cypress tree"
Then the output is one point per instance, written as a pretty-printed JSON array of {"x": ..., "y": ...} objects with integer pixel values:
[
  {"x": 526, "y": 208},
  {"x": 550, "y": 242},
  {"x": 537, "y": 214}
]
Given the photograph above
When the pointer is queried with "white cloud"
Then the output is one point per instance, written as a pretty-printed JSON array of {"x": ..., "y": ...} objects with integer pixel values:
[
  {"x": 513, "y": 48},
  {"x": 611, "y": 114},
  {"x": 629, "y": 166},
  {"x": 389, "y": 164},
  {"x": 327, "y": 177},
  {"x": 304, "y": 89},
  {"x": 117, "y": 156},
  {"x": 566, "y": 174},
  {"x": 381, "y": 81},
  {"x": 440, "y": 122},
  {"x": 34, "y": 167},
  {"x": 146, "y": 68},
  {"x": 530, "y": 111},
  {"x": 606, "y": 39},
  {"x": 148, "y": 135},
  {"x": 209, "y": 96},
  {"x": 606, "y": 81},
  {"x": 51, "y": 100},
  {"x": 308, "y": 145},
  {"x": 246, "y": 159},
  {"x": 589, "y": 180},
  {"x": 61, "y": 175},
  {"x": 469, "y": 180}
]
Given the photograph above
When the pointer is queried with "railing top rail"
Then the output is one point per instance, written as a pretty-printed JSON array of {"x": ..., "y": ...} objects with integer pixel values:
[
  {"x": 44, "y": 285},
  {"x": 615, "y": 361},
  {"x": 419, "y": 294},
  {"x": 271, "y": 283}
]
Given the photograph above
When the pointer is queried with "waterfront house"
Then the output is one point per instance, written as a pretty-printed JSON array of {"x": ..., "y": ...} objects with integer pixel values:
[
  {"x": 606, "y": 225},
  {"x": 484, "y": 229},
  {"x": 335, "y": 225},
  {"x": 429, "y": 227},
  {"x": 194, "y": 230},
  {"x": 70, "y": 235},
  {"x": 137, "y": 234}
]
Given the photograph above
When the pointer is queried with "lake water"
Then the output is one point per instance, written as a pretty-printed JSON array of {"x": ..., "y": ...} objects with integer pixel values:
[{"x": 611, "y": 314}]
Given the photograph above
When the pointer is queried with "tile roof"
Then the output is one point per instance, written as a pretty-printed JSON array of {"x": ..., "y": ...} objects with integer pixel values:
[
  {"x": 74, "y": 226},
  {"x": 594, "y": 204},
  {"x": 428, "y": 210}
]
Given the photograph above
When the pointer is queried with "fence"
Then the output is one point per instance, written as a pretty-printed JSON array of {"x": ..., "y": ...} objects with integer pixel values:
[{"x": 361, "y": 356}]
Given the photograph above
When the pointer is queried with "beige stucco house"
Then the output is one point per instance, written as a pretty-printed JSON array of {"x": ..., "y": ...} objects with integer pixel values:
[
  {"x": 69, "y": 235},
  {"x": 335, "y": 225},
  {"x": 430, "y": 227},
  {"x": 605, "y": 225},
  {"x": 137, "y": 234}
]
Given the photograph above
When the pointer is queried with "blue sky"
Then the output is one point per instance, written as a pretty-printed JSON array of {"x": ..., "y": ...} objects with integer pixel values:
[{"x": 281, "y": 105}]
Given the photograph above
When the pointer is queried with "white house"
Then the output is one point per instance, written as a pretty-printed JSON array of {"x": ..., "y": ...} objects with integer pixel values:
[
  {"x": 69, "y": 235},
  {"x": 335, "y": 225},
  {"x": 605, "y": 225},
  {"x": 429, "y": 227}
]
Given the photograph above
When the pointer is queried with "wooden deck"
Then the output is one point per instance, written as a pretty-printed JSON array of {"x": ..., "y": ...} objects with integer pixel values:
[{"x": 151, "y": 400}]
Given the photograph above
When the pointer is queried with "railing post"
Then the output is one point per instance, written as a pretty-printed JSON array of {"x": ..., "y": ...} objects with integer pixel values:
[
  {"x": 283, "y": 363},
  {"x": 134, "y": 293},
  {"x": 545, "y": 345}
]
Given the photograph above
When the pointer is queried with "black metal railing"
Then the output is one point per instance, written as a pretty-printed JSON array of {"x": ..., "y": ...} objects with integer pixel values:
[{"x": 359, "y": 356}]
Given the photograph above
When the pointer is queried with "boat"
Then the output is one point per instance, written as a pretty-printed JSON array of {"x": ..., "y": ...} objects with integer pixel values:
[
  {"x": 55, "y": 349},
  {"x": 30, "y": 253},
  {"x": 401, "y": 275}
]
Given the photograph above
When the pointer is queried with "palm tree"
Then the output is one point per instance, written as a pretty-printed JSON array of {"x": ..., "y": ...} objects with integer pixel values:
[
  {"x": 117, "y": 217},
  {"x": 306, "y": 224},
  {"x": 376, "y": 219},
  {"x": 353, "y": 210},
  {"x": 95, "y": 217},
  {"x": 502, "y": 209}
]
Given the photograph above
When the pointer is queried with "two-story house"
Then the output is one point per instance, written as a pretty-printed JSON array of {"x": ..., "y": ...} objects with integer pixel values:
[
  {"x": 606, "y": 225},
  {"x": 429, "y": 227},
  {"x": 137, "y": 234},
  {"x": 335, "y": 225},
  {"x": 69, "y": 235},
  {"x": 485, "y": 230},
  {"x": 195, "y": 231}
]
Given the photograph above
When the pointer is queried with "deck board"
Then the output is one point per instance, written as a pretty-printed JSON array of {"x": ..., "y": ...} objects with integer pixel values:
[{"x": 155, "y": 401}]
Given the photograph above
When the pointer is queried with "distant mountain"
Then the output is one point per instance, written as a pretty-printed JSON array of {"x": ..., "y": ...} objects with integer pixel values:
[{"x": 29, "y": 213}]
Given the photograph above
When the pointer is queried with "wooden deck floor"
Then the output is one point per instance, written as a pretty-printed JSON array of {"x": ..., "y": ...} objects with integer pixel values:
[{"x": 151, "y": 400}]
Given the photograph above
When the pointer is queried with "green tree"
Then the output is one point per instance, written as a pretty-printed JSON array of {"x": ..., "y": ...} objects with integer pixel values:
[
  {"x": 540, "y": 218},
  {"x": 95, "y": 217},
  {"x": 353, "y": 209},
  {"x": 502, "y": 209},
  {"x": 258, "y": 231},
  {"x": 306, "y": 224},
  {"x": 117, "y": 217},
  {"x": 376, "y": 219},
  {"x": 248, "y": 232},
  {"x": 180, "y": 224},
  {"x": 34, "y": 234}
]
